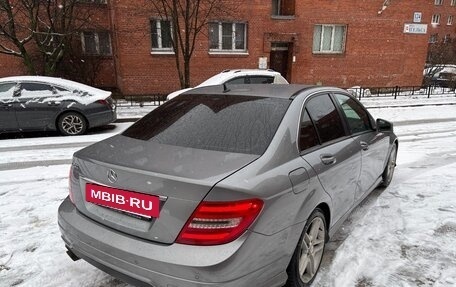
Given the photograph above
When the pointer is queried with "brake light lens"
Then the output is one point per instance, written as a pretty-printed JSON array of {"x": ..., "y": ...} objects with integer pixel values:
[
  {"x": 215, "y": 223},
  {"x": 70, "y": 190},
  {"x": 104, "y": 102}
]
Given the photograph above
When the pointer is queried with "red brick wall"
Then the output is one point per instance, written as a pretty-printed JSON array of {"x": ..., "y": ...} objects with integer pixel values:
[
  {"x": 377, "y": 52},
  {"x": 443, "y": 29}
]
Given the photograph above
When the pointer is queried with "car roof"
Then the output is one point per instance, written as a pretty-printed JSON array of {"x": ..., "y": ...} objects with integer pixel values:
[
  {"x": 229, "y": 74},
  {"x": 286, "y": 91},
  {"x": 55, "y": 81}
]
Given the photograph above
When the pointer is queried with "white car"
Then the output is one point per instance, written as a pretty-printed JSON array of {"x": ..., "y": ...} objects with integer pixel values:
[{"x": 240, "y": 76}]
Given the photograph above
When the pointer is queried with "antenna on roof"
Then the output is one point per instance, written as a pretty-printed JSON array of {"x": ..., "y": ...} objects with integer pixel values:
[{"x": 225, "y": 89}]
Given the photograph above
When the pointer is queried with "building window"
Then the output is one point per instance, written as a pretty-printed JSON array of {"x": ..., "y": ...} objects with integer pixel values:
[
  {"x": 283, "y": 7},
  {"x": 438, "y": 2},
  {"x": 447, "y": 38},
  {"x": 433, "y": 38},
  {"x": 435, "y": 19},
  {"x": 453, "y": 2},
  {"x": 161, "y": 31},
  {"x": 96, "y": 43},
  {"x": 450, "y": 20},
  {"x": 329, "y": 38},
  {"x": 224, "y": 36}
]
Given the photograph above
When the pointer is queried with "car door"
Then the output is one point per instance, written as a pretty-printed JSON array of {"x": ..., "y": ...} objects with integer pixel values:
[
  {"x": 336, "y": 159},
  {"x": 8, "y": 120},
  {"x": 372, "y": 145},
  {"x": 37, "y": 106}
]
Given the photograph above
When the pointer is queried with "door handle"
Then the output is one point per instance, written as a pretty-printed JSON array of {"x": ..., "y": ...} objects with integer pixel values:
[
  {"x": 364, "y": 145},
  {"x": 328, "y": 159},
  {"x": 6, "y": 105}
]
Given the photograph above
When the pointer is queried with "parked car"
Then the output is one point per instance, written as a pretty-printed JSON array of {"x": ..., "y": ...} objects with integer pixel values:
[
  {"x": 440, "y": 76},
  {"x": 235, "y": 77},
  {"x": 35, "y": 103},
  {"x": 226, "y": 187}
]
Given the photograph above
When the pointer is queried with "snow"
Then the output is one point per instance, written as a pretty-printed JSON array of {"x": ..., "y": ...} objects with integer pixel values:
[{"x": 400, "y": 236}]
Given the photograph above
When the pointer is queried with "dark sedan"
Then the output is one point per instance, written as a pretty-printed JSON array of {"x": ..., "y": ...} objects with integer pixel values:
[
  {"x": 34, "y": 103},
  {"x": 226, "y": 187}
]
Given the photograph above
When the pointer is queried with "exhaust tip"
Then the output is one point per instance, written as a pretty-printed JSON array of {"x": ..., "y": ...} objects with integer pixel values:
[{"x": 73, "y": 256}]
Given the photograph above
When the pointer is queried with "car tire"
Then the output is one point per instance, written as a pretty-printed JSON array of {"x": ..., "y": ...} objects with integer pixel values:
[
  {"x": 72, "y": 124},
  {"x": 388, "y": 173},
  {"x": 307, "y": 257}
]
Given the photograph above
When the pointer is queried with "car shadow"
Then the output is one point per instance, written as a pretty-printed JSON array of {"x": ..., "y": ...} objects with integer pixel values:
[{"x": 24, "y": 135}]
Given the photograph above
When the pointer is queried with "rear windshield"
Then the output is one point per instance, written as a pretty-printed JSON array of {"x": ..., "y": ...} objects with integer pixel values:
[{"x": 240, "y": 124}]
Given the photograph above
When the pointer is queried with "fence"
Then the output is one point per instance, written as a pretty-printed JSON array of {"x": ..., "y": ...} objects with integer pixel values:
[
  {"x": 364, "y": 92},
  {"x": 359, "y": 92},
  {"x": 140, "y": 101}
]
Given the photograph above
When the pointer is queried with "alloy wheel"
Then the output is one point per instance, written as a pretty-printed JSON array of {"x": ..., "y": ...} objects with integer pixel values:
[
  {"x": 312, "y": 245},
  {"x": 72, "y": 124}
]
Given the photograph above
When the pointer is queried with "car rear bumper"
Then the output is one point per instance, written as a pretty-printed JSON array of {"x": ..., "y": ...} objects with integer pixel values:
[
  {"x": 251, "y": 260},
  {"x": 101, "y": 118}
]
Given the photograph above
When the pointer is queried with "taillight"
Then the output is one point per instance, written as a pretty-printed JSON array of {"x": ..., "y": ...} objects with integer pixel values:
[
  {"x": 70, "y": 190},
  {"x": 215, "y": 223},
  {"x": 104, "y": 102}
]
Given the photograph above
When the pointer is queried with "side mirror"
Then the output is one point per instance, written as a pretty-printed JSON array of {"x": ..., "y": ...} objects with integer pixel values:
[
  {"x": 384, "y": 125},
  {"x": 17, "y": 93}
]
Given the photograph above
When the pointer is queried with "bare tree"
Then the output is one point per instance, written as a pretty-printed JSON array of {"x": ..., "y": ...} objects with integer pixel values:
[
  {"x": 187, "y": 18},
  {"x": 440, "y": 55},
  {"x": 39, "y": 31}
]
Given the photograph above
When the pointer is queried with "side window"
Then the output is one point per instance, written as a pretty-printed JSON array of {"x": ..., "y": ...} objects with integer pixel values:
[
  {"x": 35, "y": 90},
  {"x": 307, "y": 135},
  {"x": 6, "y": 91},
  {"x": 237, "y": 81},
  {"x": 326, "y": 118},
  {"x": 261, "y": 80},
  {"x": 357, "y": 117}
]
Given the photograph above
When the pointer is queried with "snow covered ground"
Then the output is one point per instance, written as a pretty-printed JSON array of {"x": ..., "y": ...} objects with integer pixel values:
[{"x": 400, "y": 236}]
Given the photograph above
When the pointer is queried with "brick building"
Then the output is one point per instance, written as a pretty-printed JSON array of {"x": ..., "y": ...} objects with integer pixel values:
[
  {"x": 335, "y": 42},
  {"x": 443, "y": 21}
]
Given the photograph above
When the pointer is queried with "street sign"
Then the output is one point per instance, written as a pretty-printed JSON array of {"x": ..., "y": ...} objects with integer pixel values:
[
  {"x": 417, "y": 17},
  {"x": 415, "y": 28}
]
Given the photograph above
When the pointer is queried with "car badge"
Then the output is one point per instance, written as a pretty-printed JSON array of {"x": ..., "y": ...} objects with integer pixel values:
[{"x": 112, "y": 176}]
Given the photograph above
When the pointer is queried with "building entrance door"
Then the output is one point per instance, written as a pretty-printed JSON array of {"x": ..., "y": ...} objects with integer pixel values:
[{"x": 279, "y": 60}]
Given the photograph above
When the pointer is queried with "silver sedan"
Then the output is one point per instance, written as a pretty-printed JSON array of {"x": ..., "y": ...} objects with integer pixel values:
[{"x": 226, "y": 187}]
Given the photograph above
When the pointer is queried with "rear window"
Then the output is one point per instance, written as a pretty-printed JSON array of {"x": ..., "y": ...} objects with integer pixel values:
[{"x": 240, "y": 124}]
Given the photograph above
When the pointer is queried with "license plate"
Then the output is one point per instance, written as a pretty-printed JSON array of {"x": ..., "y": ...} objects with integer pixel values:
[{"x": 128, "y": 201}]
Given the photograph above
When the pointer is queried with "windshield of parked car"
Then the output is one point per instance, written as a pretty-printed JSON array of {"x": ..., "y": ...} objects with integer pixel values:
[{"x": 240, "y": 124}]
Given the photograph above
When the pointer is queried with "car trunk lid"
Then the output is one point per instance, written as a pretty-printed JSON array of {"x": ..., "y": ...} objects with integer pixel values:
[{"x": 179, "y": 178}]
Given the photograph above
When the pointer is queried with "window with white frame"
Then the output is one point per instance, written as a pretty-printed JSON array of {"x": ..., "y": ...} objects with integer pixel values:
[
  {"x": 329, "y": 38},
  {"x": 227, "y": 37},
  {"x": 161, "y": 31},
  {"x": 96, "y": 43},
  {"x": 447, "y": 38},
  {"x": 435, "y": 19},
  {"x": 450, "y": 20},
  {"x": 453, "y": 2},
  {"x": 433, "y": 38},
  {"x": 438, "y": 2}
]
